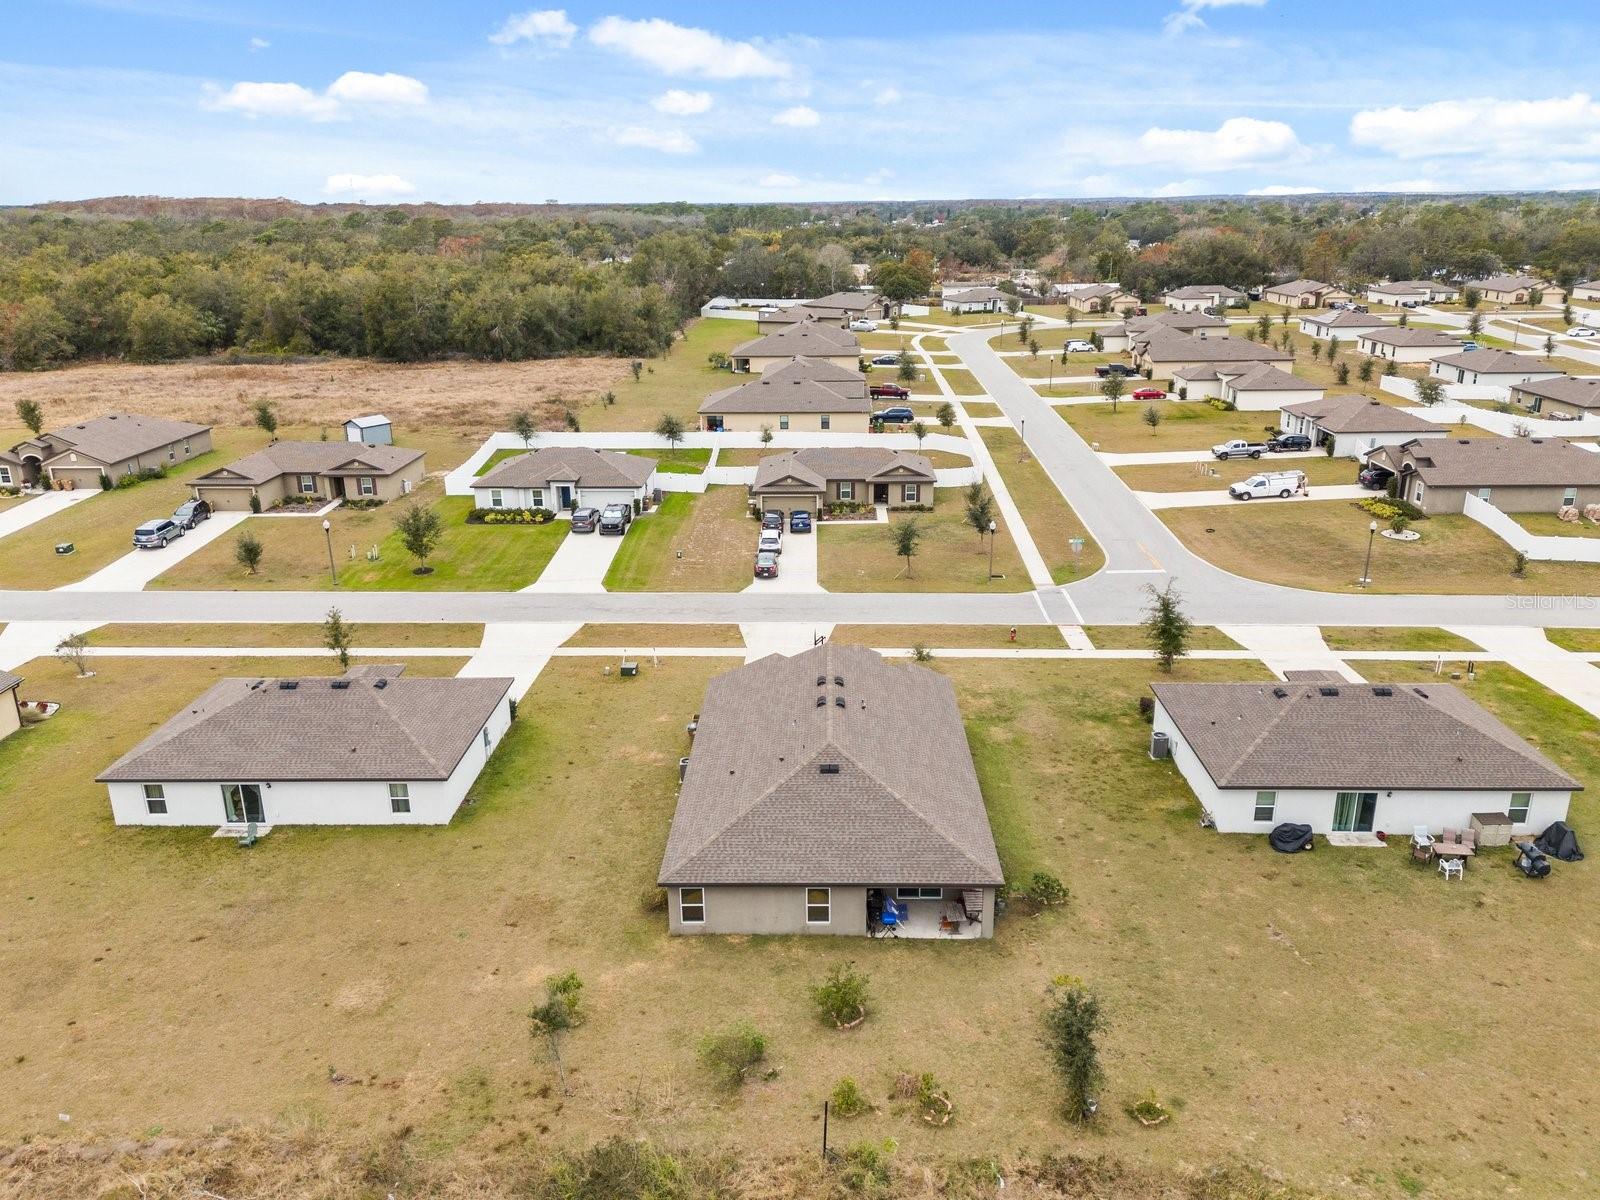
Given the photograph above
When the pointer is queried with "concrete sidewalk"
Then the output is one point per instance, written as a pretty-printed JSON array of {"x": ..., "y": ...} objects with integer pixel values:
[
  {"x": 1209, "y": 499},
  {"x": 1529, "y": 651},
  {"x": 517, "y": 649},
  {"x": 30, "y": 512},
  {"x": 1285, "y": 648}
]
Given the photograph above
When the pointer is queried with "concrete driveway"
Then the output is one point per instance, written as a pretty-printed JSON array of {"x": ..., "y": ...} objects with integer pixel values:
[
  {"x": 30, "y": 512},
  {"x": 579, "y": 564},
  {"x": 1158, "y": 500},
  {"x": 797, "y": 566},
  {"x": 135, "y": 569}
]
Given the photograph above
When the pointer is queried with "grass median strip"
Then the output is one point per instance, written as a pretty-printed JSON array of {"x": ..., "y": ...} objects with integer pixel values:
[
  {"x": 963, "y": 637},
  {"x": 256, "y": 635},
  {"x": 859, "y": 556},
  {"x": 649, "y": 637},
  {"x": 1370, "y": 637},
  {"x": 1135, "y": 637},
  {"x": 1045, "y": 511}
]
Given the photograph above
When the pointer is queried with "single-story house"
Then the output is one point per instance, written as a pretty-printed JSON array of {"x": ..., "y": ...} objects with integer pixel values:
[
  {"x": 1099, "y": 298},
  {"x": 313, "y": 470},
  {"x": 1353, "y": 758},
  {"x": 1265, "y": 388},
  {"x": 1490, "y": 368},
  {"x": 1303, "y": 293},
  {"x": 973, "y": 299},
  {"x": 114, "y": 446},
  {"x": 1588, "y": 290},
  {"x": 10, "y": 713},
  {"x": 1201, "y": 295},
  {"x": 850, "y": 306},
  {"x": 1355, "y": 425},
  {"x": 369, "y": 747},
  {"x": 810, "y": 801},
  {"x": 817, "y": 476},
  {"x": 804, "y": 339},
  {"x": 1564, "y": 396},
  {"x": 566, "y": 477},
  {"x": 1405, "y": 345},
  {"x": 1514, "y": 474},
  {"x": 1166, "y": 351},
  {"x": 375, "y": 430},
  {"x": 1121, "y": 336},
  {"x": 1511, "y": 289},
  {"x": 1410, "y": 292},
  {"x": 1342, "y": 324},
  {"x": 802, "y": 394}
]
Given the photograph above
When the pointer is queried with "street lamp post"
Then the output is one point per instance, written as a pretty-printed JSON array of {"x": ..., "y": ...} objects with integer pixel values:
[
  {"x": 992, "y": 528},
  {"x": 1366, "y": 571},
  {"x": 327, "y": 532}
]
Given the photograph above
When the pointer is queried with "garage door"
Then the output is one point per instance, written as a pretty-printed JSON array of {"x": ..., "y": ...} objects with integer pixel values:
[{"x": 226, "y": 499}]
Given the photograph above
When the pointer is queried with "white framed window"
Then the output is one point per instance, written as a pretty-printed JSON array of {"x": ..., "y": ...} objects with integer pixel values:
[
  {"x": 1520, "y": 802},
  {"x": 1485, "y": 493},
  {"x": 1569, "y": 497},
  {"x": 5, "y": 476},
  {"x": 186, "y": 449},
  {"x": 496, "y": 498},
  {"x": 912, "y": 493},
  {"x": 400, "y": 797},
  {"x": 919, "y": 893},
  {"x": 308, "y": 484},
  {"x": 827, "y": 421},
  {"x": 783, "y": 420},
  {"x": 155, "y": 798},
  {"x": 538, "y": 498},
  {"x": 1266, "y": 805},
  {"x": 692, "y": 906},
  {"x": 819, "y": 905},
  {"x": 847, "y": 490},
  {"x": 368, "y": 486},
  {"x": 172, "y": 454},
  {"x": 1416, "y": 496}
]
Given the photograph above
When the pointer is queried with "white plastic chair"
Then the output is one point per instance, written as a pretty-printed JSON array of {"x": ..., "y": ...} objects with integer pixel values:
[{"x": 1451, "y": 867}]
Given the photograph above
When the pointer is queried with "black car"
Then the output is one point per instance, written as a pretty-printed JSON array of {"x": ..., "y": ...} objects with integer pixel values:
[
  {"x": 1114, "y": 369},
  {"x": 772, "y": 518},
  {"x": 614, "y": 518},
  {"x": 1375, "y": 479},
  {"x": 799, "y": 521},
  {"x": 1286, "y": 442},
  {"x": 585, "y": 520},
  {"x": 191, "y": 512}
]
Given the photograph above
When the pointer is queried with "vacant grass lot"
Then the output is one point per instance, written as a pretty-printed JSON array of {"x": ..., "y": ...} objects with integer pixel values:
[
  {"x": 1049, "y": 366},
  {"x": 951, "y": 557},
  {"x": 692, "y": 543},
  {"x": 1185, "y": 425},
  {"x": 1196, "y": 477},
  {"x": 652, "y": 636},
  {"x": 426, "y": 634},
  {"x": 1045, "y": 510},
  {"x": 676, "y": 383},
  {"x": 981, "y": 408},
  {"x": 1370, "y": 637},
  {"x": 938, "y": 316},
  {"x": 141, "y": 949},
  {"x": 295, "y": 554},
  {"x": 1322, "y": 545},
  {"x": 1136, "y": 637},
  {"x": 964, "y": 637}
]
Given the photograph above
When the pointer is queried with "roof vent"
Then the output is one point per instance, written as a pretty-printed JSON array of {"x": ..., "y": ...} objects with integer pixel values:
[
  {"x": 838, "y": 681},
  {"x": 380, "y": 683},
  {"x": 1280, "y": 693},
  {"x": 288, "y": 685},
  {"x": 822, "y": 701},
  {"x": 827, "y": 768},
  {"x": 822, "y": 681},
  {"x": 1383, "y": 691},
  {"x": 1537, "y": 441},
  {"x": 838, "y": 701},
  {"x": 1420, "y": 692},
  {"x": 340, "y": 685},
  {"x": 1327, "y": 691}
]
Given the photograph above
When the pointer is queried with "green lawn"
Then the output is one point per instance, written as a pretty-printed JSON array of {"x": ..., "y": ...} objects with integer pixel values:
[
  {"x": 427, "y": 634},
  {"x": 676, "y": 383},
  {"x": 684, "y": 460},
  {"x": 965, "y": 637},
  {"x": 295, "y": 554},
  {"x": 1378, "y": 637},
  {"x": 691, "y": 543},
  {"x": 962, "y": 381},
  {"x": 1550, "y": 525},
  {"x": 1135, "y": 637},
  {"x": 1045, "y": 511},
  {"x": 1185, "y": 425},
  {"x": 860, "y": 556},
  {"x": 938, "y": 316},
  {"x": 1196, "y": 477},
  {"x": 1580, "y": 641},
  {"x": 649, "y": 637},
  {"x": 498, "y": 457}
]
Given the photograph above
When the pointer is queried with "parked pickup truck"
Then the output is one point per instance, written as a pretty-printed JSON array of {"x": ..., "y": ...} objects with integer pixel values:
[
  {"x": 1239, "y": 448},
  {"x": 1114, "y": 369},
  {"x": 887, "y": 391},
  {"x": 1282, "y": 484}
]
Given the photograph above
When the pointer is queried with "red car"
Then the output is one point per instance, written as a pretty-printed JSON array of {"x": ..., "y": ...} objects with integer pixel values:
[
  {"x": 1149, "y": 394},
  {"x": 889, "y": 391}
]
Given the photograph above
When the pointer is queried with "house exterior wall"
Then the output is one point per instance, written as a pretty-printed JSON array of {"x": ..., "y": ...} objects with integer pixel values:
[
  {"x": 1436, "y": 500},
  {"x": 10, "y": 718},
  {"x": 1263, "y": 401},
  {"x": 781, "y": 909},
  {"x": 1359, "y": 445},
  {"x": 808, "y": 422},
  {"x": 86, "y": 470},
  {"x": 316, "y": 802},
  {"x": 1544, "y": 404},
  {"x": 1397, "y": 813},
  {"x": 1586, "y": 292},
  {"x": 1198, "y": 305},
  {"x": 547, "y": 497},
  {"x": 1404, "y": 354},
  {"x": 761, "y": 365},
  {"x": 1199, "y": 389},
  {"x": 1112, "y": 343},
  {"x": 1319, "y": 331},
  {"x": 1502, "y": 383}
]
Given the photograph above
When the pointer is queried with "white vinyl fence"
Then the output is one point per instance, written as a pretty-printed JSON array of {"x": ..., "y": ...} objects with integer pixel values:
[{"x": 1538, "y": 547}]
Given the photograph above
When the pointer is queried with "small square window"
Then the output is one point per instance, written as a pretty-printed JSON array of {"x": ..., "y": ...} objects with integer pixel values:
[
  {"x": 155, "y": 798},
  {"x": 400, "y": 797},
  {"x": 783, "y": 420},
  {"x": 496, "y": 498},
  {"x": 827, "y": 420},
  {"x": 913, "y": 493},
  {"x": 1569, "y": 497},
  {"x": 1266, "y": 805},
  {"x": 692, "y": 906},
  {"x": 1520, "y": 803},
  {"x": 368, "y": 487},
  {"x": 818, "y": 906},
  {"x": 308, "y": 484}
]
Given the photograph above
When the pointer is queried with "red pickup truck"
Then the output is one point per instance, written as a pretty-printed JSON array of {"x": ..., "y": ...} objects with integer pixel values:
[{"x": 887, "y": 391}]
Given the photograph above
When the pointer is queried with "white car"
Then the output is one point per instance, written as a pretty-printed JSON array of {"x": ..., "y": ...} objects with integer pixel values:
[
  {"x": 1583, "y": 331},
  {"x": 862, "y": 325},
  {"x": 1080, "y": 347},
  {"x": 771, "y": 542}
]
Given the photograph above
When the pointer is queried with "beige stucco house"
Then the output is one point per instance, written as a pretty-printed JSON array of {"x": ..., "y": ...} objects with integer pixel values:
[
  {"x": 1303, "y": 293},
  {"x": 1512, "y": 289},
  {"x": 1100, "y": 298},
  {"x": 1563, "y": 396},
  {"x": 1588, "y": 290},
  {"x": 804, "y": 339},
  {"x": 313, "y": 471},
  {"x": 817, "y": 476},
  {"x": 803, "y": 394},
  {"x": 1411, "y": 292},
  {"x": 1200, "y": 296},
  {"x": 1514, "y": 474},
  {"x": 1406, "y": 345},
  {"x": 115, "y": 445},
  {"x": 1165, "y": 352},
  {"x": 813, "y": 803}
]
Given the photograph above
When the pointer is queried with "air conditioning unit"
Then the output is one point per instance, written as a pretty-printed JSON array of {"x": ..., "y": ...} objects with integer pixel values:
[{"x": 1160, "y": 746}]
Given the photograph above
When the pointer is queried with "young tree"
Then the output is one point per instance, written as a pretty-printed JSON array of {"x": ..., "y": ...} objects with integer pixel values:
[
  {"x": 338, "y": 636},
  {"x": 980, "y": 508},
  {"x": 1535, "y": 297},
  {"x": 637, "y": 368},
  {"x": 841, "y": 998},
  {"x": 1430, "y": 390},
  {"x": 522, "y": 425},
  {"x": 74, "y": 650},
  {"x": 266, "y": 419},
  {"x": 1264, "y": 326},
  {"x": 1166, "y": 625},
  {"x": 1333, "y": 346},
  {"x": 1405, "y": 319},
  {"x": 1566, "y": 314},
  {"x": 945, "y": 415},
  {"x": 1391, "y": 367},
  {"x": 1472, "y": 297},
  {"x": 905, "y": 535},
  {"x": 1342, "y": 372},
  {"x": 1111, "y": 388},
  {"x": 1475, "y": 323},
  {"x": 1549, "y": 345},
  {"x": 1033, "y": 347},
  {"x": 1364, "y": 372},
  {"x": 919, "y": 431},
  {"x": 1316, "y": 350},
  {"x": 420, "y": 530},
  {"x": 906, "y": 372},
  {"x": 766, "y": 435},
  {"x": 560, "y": 1012},
  {"x": 670, "y": 429},
  {"x": 1024, "y": 328},
  {"x": 570, "y": 418},
  {"x": 247, "y": 552},
  {"x": 31, "y": 415},
  {"x": 1071, "y": 1024},
  {"x": 1151, "y": 416}
]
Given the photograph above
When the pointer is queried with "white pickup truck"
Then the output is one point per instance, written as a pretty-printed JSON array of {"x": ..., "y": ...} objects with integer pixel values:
[
  {"x": 1239, "y": 448},
  {"x": 1282, "y": 484}
]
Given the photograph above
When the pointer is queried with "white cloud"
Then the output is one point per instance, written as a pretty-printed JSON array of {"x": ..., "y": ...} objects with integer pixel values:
[
  {"x": 548, "y": 25},
  {"x": 777, "y": 179},
  {"x": 1237, "y": 142},
  {"x": 363, "y": 87},
  {"x": 668, "y": 141},
  {"x": 679, "y": 50},
  {"x": 258, "y": 43},
  {"x": 1187, "y": 17},
  {"x": 886, "y": 97},
  {"x": 1180, "y": 187},
  {"x": 681, "y": 103},
  {"x": 1566, "y": 125},
  {"x": 1284, "y": 189},
  {"x": 368, "y": 185},
  {"x": 275, "y": 100},
  {"x": 798, "y": 117}
]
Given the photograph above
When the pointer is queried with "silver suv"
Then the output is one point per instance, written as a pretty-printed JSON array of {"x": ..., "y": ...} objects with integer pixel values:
[{"x": 153, "y": 535}]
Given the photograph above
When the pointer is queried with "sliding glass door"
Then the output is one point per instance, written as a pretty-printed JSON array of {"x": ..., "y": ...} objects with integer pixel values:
[
  {"x": 242, "y": 802},
  {"x": 1353, "y": 812}
]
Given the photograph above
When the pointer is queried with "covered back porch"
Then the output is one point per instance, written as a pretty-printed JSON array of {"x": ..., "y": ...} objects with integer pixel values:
[{"x": 951, "y": 913}]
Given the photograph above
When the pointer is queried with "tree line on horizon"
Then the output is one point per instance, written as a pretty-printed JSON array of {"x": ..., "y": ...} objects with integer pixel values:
[{"x": 179, "y": 282}]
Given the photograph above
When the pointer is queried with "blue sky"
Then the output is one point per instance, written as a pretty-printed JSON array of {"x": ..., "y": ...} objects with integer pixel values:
[{"x": 474, "y": 100}]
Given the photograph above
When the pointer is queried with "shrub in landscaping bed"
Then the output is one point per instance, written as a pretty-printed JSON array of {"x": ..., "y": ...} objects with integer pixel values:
[
  {"x": 362, "y": 504},
  {"x": 299, "y": 501},
  {"x": 1387, "y": 508},
  {"x": 911, "y": 508},
  {"x": 134, "y": 478},
  {"x": 510, "y": 516}
]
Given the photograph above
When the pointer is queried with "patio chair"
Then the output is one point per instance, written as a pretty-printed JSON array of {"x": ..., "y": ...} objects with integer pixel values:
[
  {"x": 1451, "y": 837},
  {"x": 1451, "y": 868},
  {"x": 972, "y": 905},
  {"x": 1421, "y": 843},
  {"x": 1469, "y": 839}
]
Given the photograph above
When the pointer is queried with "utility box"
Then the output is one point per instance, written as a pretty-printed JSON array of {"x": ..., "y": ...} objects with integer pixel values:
[
  {"x": 1160, "y": 746},
  {"x": 1493, "y": 828}
]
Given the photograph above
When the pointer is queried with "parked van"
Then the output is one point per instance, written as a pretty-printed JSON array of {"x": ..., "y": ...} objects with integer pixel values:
[{"x": 1282, "y": 484}]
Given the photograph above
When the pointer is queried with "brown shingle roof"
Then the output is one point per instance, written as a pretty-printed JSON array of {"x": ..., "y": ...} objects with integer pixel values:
[
  {"x": 1410, "y": 337},
  {"x": 1205, "y": 292},
  {"x": 1580, "y": 393},
  {"x": 1300, "y": 287},
  {"x": 1182, "y": 347},
  {"x": 570, "y": 464},
  {"x": 903, "y": 806},
  {"x": 1430, "y": 737},
  {"x": 1266, "y": 378},
  {"x": 1507, "y": 283},
  {"x": 1495, "y": 462},
  {"x": 819, "y": 465},
  {"x": 1492, "y": 362},
  {"x": 1361, "y": 414},
  {"x": 804, "y": 385},
  {"x": 805, "y": 338},
  {"x": 119, "y": 436},
  {"x": 380, "y": 726},
  {"x": 1345, "y": 320},
  {"x": 309, "y": 458},
  {"x": 9, "y": 681}
]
